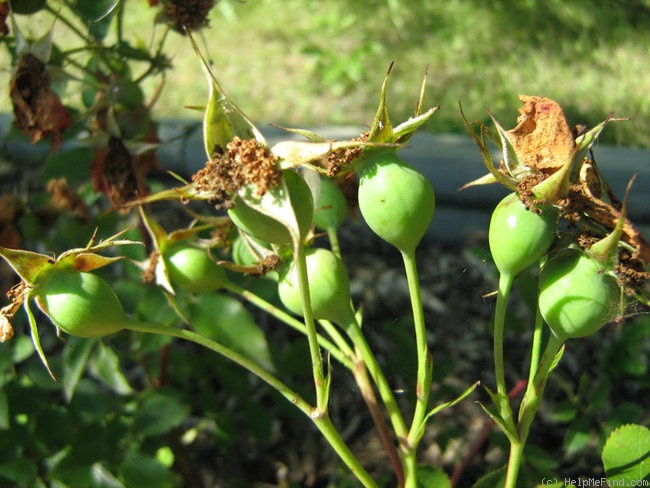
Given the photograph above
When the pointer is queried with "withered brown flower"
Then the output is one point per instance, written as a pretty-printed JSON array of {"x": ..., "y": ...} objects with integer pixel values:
[
  {"x": 188, "y": 14},
  {"x": 38, "y": 110},
  {"x": 244, "y": 161}
]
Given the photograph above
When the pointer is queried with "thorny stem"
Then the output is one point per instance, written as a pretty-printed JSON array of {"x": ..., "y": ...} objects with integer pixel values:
[
  {"x": 341, "y": 356},
  {"x": 319, "y": 417}
]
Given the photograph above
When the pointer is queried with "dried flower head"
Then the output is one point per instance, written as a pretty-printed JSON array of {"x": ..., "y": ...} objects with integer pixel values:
[
  {"x": 38, "y": 111},
  {"x": 188, "y": 14},
  {"x": 245, "y": 161}
]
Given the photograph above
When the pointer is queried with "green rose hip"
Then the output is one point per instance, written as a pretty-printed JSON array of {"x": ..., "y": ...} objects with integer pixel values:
[
  {"x": 191, "y": 269},
  {"x": 396, "y": 201},
  {"x": 519, "y": 237},
  {"x": 576, "y": 295},
  {"x": 79, "y": 303},
  {"x": 329, "y": 287},
  {"x": 332, "y": 207}
]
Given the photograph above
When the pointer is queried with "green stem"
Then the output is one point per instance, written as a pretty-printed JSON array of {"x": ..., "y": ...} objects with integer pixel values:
[
  {"x": 341, "y": 356},
  {"x": 529, "y": 406},
  {"x": 338, "y": 339},
  {"x": 57, "y": 14},
  {"x": 353, "y": 329},
  {"x": 424, "y": 371},
  {"x": 320, "y": 383},
  {"x": 319, "y": 417},
  {"x": 333, "y": 237},
  {"x": 368, "y": 394},
  {"x": 424, "y": 366},
  {"x": 505, "y": 410},
  {"x": 536, "y": 348}
]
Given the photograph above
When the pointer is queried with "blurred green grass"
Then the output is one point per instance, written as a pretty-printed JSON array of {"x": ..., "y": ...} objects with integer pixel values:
[{"x": 299, "y": 63}]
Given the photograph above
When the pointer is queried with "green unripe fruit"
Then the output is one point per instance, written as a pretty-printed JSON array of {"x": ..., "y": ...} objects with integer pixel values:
[
  {"x": 396, "y": 201},
  {"x": 332, "y": 207},
  {"x": 191, "y": 269},
  {"x": 576, "y": 296},
  {"x": 80, "y": 304},
  {"x": 329, "y": 287},
  {"x": 519, "y": 237},
  {"x": 268, "y": 229},
  {"x": 241, "y": 254}
]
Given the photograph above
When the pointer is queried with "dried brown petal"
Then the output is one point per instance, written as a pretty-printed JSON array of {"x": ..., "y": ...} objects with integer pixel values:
[{"x": 542, "y": 138}]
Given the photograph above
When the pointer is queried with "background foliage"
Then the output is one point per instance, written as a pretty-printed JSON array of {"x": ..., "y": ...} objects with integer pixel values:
[
  {"x": 296, "y": 64},
  {"x": 121, "y": 415}
]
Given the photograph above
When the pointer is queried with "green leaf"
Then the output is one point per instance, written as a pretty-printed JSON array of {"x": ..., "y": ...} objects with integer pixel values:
[
  {"x": 626, "y": 455},
  {"x": 435, "y": 410},
  {"x": 226, "y": 320},
  {"x": 275, "y": 203},
  {"x": 139, "y": 469},
  {"x": 159, "y": 412},
  {"x": 71, "y": 162},
  {"x": 542, "y": 460},
  {"x": 105, "y": 366},
  {"x": 96, "y": 14},
  {"x": 564, "y": 412},
  {"x": 101, "y": 477},
  {"x": 429, "y": 477},
  {"x": 578, "y": 435},
  {"x": 27, "y": 7},
  {"x": 21, "y": 470},
  {"x": 222, "y": 120},
  {"x": 4, "y": 410},
  {"x": 495, "y": 415},
  {"x": 493, "y": 479},
  {"x": 75, "y": 359}
]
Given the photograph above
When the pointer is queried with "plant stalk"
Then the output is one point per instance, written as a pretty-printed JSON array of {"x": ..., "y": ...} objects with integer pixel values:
[
  {"x": 353, "y": 329},
  {"x": 319, "y": 417},
  {"x": 320, "y": 383},
  {"x": 341, "y": 356},
  {"x": 529, "y": 406},
  {"x": 505, "y": 410},
  {"x": 425, "y": 364},
  {"x": 369, "y": 397}
]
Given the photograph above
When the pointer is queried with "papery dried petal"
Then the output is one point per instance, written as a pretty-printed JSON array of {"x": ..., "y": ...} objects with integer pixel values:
[{"x": 542, "y": 138}]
